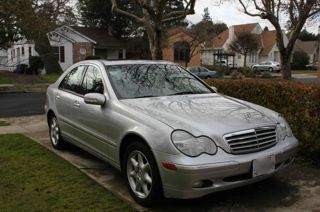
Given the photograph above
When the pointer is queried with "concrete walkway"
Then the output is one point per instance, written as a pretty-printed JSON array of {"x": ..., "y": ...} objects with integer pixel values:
[{"x": 295, "y": 189}]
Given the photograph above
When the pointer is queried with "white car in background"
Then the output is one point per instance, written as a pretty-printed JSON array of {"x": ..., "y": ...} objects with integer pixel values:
[{"x": 271, "y": 66}]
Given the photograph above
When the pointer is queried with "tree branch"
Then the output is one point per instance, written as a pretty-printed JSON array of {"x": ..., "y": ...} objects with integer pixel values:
[{"x": 116, "y": 9}]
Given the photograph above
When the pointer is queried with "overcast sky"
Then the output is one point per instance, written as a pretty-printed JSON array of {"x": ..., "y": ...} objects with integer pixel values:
[{"x": 231, "y": 14}]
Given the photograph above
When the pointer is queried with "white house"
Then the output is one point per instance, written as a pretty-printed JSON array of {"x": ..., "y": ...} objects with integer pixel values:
[
  {"x": 71, "y": 44},
  {"x": 267, "y": 50},
  {"x": 19, "y": 53},
  {"x": 3, "y": 59}
]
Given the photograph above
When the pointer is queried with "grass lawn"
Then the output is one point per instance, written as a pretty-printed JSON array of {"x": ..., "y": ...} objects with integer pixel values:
[
  {"x": 51, "y": 78},
  {"x": 314, "y": 73},
  {"x": 34, "y": 179},
  {"x": 5, "y": 80},
  {"x": 3, "y": 124}
]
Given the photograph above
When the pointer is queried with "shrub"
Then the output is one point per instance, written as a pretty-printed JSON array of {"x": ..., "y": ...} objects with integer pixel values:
[
  {"x": 36, "y": 64},
  {"x": 298, "y": 103},
  {"x": 247, "y": 71},
  {"x": 266, "y": 75},
  {"x": 299, "y": 60},
  {"x": 237, "y": 75}
]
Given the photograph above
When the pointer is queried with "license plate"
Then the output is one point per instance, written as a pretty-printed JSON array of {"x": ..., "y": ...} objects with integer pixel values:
[{"x": 263, "y": 166}]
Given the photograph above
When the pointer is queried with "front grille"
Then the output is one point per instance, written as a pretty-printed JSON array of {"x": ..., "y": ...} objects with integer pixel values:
[{"x": 253, "y": 140}]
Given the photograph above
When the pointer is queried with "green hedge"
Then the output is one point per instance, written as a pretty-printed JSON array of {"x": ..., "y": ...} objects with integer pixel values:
[{"x": 298, "y": 103}]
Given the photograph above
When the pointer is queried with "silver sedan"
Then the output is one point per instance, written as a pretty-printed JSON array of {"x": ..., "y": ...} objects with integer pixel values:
[{"x": 169, "y": 133}]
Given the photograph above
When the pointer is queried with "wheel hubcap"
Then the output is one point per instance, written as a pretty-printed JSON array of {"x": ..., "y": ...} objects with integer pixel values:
[
  {"x": 139, "y": 174},
  {"x": 54, "y": 131}
]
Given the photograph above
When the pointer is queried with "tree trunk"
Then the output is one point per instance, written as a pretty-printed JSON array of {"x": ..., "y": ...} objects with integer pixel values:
[
  {"x": 43, "y": 48},
  {"x": 155, "y": 41},
  {"x": 285, "y": 65},
  {"x": 245, "y": 60}
]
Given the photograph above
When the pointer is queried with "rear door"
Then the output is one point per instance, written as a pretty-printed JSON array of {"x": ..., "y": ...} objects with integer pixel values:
[{"x": 67, "y": 97}]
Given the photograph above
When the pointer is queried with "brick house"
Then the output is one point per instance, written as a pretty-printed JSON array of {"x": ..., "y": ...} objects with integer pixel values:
[
  {"x": 70, "y": 44},
  {"x": 178, "y": 45}
]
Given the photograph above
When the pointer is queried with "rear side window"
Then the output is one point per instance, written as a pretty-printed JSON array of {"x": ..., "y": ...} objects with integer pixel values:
[
  {"x": 72, "y": 81},
  {"x": 92, "y": 81}
]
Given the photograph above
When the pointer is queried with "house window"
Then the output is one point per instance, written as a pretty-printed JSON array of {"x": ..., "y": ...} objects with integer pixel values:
[
  {"x": 18, "y": 52},
  {"x": 181, "y": 51},
  {"x": 22, "y": 50},
  {"x": 30, "y": 51},
  {"x": 61, "y": 54},
  {"x": 239, "y": 56}
]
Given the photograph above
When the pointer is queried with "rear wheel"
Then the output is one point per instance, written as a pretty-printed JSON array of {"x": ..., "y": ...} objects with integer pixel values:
[
  {"x": 142, "y": 176},
  {"x": 270, "y": 69},
  {"x": 54, "y": 132}
]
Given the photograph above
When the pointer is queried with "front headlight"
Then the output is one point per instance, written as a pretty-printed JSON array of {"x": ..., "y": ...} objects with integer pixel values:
[
  {"x": 193, "y": 146},
  {"x": 283, "y": 129}
]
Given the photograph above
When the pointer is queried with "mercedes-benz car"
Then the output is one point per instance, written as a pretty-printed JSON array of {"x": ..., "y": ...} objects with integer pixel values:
[{"x": 170, "y": 133}]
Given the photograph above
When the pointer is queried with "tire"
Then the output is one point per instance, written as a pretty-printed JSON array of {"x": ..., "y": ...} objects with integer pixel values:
[
  {"x": 208, "y": 77},
  {"x": 144, "y": 184},
  {"x": 55, "y": 134},
  {"x": 270, "y": 69}
]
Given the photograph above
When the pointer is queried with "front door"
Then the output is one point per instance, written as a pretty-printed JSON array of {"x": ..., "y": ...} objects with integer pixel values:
[{"x": 95, "y": 119}]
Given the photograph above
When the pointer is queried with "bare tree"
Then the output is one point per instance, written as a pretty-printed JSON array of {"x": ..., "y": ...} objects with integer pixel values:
[
  {"x": 244, "y": 43},
  {"x": 33, "y": 19},
  {"x": 154, "y": 15},
  {"x": 297, "y": 13}
]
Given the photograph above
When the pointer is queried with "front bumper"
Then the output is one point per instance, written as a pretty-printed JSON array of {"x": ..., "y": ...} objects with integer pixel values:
[{"x": 219, "y": 172}]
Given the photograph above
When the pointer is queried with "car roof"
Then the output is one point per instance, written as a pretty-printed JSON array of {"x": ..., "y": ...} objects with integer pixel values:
[{"x": 130, "y": 62}]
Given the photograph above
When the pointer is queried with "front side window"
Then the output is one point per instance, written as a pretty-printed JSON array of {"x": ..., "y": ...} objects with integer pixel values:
[
  {"x": 92, "y": 81},
  {"x": 72, "y": 81},
  {"x": 153, "y": 80}
]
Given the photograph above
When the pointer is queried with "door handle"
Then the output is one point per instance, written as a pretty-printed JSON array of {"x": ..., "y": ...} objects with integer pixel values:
[{"x": 76, "y": 104}]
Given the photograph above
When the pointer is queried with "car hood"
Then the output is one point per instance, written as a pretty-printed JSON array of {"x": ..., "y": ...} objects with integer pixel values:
[{"x": 201, "y": 114}]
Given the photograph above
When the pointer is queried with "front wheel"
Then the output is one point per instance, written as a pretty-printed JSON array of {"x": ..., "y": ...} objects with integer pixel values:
[
  {"x": 270, "y": 69},
  {"x": 142, "y": 174}
]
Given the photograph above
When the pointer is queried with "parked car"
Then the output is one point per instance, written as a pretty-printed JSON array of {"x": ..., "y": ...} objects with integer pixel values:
[
  {"x": 224, "y": 63},
  {"x": 202, "y": 72},
  {"x": 313, "y": 66},
  {"x": 167, "y": 131},
  {"x": 267, "y": 66}
]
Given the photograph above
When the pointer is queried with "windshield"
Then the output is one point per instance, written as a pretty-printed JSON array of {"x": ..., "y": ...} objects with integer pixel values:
[{"x": 153, "y": 80}]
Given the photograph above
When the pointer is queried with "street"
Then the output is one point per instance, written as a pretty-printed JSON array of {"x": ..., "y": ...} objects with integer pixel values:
[{"x": 21, "y": 104}]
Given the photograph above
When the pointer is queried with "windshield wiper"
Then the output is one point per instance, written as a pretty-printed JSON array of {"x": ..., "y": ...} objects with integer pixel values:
[
  {"x": 183, "y": 93},
  {"x": 146, "y": 96}
]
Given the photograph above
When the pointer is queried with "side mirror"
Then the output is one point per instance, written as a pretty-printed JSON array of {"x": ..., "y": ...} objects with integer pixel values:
[
  {"x": 95, "y": 99},
  {"x": 214, "y": 88}
]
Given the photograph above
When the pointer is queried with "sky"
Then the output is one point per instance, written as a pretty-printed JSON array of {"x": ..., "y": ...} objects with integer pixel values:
[{"x": 231, "y": 14}]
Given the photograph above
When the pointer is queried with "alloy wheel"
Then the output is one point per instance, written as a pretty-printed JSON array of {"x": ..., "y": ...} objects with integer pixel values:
[{"x": 139, "y": 174}]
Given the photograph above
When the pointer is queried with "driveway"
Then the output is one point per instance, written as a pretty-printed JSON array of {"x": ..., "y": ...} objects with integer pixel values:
[
  {"x": 21, "y": 104},
  {"x": 294, "y": 189}
]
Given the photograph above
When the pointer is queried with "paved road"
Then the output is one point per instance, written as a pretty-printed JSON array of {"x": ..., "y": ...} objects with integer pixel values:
[{"x": 21, "y": 104}]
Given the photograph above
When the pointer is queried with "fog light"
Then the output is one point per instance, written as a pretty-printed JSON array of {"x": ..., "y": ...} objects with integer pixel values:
[{"x": 202, "y": 184}]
